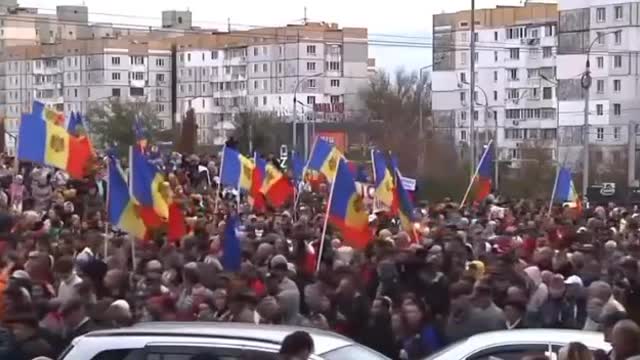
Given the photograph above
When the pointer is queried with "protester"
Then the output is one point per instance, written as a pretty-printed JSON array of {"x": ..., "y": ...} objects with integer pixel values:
[{"x": 297, "y": 346}]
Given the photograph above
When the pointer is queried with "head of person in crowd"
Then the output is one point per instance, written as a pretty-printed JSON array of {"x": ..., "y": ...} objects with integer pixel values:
[
  {"x": 575, "y": 351},
  {"x": 625, "y": 340},
  {"x": 298, "y": 345}
]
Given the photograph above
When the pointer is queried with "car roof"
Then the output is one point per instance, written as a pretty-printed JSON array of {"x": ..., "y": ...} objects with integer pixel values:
[
  {"x": 592, "y": 339},
  {"x": 324, "y": 341}
]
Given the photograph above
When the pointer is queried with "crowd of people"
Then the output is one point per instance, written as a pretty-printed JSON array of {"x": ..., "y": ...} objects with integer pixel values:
[{"x": 500, "y": 264}]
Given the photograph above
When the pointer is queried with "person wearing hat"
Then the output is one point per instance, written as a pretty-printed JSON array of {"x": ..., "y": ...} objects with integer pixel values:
[{"x": 557, "y": 312}]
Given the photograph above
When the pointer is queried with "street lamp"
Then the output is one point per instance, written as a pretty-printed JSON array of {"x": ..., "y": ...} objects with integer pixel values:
[
  {"x": 495, "y": 133},
  {"x": 585, "y": 82},
  {"x": 294, "y": 142}
]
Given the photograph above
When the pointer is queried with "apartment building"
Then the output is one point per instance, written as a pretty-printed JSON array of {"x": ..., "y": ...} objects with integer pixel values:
[
  {"x": 76, "y": 74},
  {"x": 606, "y": 32},
  {"x": 515, "y": 92},
  {"x": 262, "y": 70}
]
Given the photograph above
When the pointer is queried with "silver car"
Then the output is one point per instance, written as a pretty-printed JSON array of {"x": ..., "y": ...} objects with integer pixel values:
[
  {"x": 515, "y": 344},
  {"x": 223, "y": 341}
]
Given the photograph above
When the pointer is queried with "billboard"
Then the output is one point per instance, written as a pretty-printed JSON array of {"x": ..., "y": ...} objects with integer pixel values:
[{"x": 338, "y": 138}]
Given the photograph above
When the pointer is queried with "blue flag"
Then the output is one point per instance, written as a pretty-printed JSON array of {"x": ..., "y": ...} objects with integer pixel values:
[
  {"x": 232, "y": 253},
  {"x": 297, "y": 166}
]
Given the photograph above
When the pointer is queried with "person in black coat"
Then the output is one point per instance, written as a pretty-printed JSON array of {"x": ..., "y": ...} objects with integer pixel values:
[
  {"x": 378, "y": 329},
  {"x": 76, "y": 319}
]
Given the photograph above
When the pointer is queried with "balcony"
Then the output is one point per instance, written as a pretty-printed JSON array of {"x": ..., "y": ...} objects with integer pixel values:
[{"x": 530, "y": 42}]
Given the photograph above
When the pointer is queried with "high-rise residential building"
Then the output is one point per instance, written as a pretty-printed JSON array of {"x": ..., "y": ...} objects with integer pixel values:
[
  {"x": 322, "y": 66},
  {"x": 76, "y": 74},
  {"x": 515, "y": 94},
  {"x": 606, "y": 32}
]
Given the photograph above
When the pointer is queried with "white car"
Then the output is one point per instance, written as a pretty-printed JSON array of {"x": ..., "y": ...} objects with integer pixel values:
[
  {"x": 221, "y": 341},
  {"x": 516, "y": 344}
]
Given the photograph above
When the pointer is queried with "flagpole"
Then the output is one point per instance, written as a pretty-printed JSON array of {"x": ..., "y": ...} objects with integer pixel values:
[
  {"x": 106, "y": 223},
  {"x": 553, "y": 192},
  {"x": 326, "y": 221},
  {"x": 219, "y": 189},
  {"x": 475, "y": 174}
]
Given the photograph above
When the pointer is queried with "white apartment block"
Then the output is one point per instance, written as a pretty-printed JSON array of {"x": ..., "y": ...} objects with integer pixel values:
[
  {"x": 261, "y": 70},
  {"x": 75, "y": 75},
  {"x": 609, "y": 29},
  {"x": 515, "y": 94}
]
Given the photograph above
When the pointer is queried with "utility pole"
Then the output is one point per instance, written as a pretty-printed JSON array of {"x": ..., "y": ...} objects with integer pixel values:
[
  {"x": 472, "y": 87},
  {"x": 631, "y": 162},
  {"x": 586, "y": 84}
]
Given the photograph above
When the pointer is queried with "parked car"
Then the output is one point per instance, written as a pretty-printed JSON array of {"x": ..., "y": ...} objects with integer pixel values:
[
  {"x": 224, "y": 341},
  {"x": 515, "y": 344}
]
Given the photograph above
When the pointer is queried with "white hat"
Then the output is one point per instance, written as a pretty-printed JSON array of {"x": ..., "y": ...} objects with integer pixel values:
[{"x": 573, "y": 280}]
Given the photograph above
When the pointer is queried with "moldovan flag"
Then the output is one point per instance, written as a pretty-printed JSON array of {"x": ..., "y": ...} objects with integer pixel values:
[
  {"x": 231, "y": 250},
  {"x": 121, "y": 210},
  {"x": 146, "y": 185},
  {"x": 236, "y": 170},
  {"x": 346, "y": 208},
  {"x": 46, "y": 143},
  {"x": 485, "y": 172},
  {"x": 325, "y": 158},
  {"x": 297, "y": 167},
  {"x": 405, "y": 207},
  {"x": 383, "y": 180},
  {"x": 565, "y": 191},
  {"x": 256, "y": 197},
  {"x": 276, "y": 187},
  {"x": 40, "y": 110}
]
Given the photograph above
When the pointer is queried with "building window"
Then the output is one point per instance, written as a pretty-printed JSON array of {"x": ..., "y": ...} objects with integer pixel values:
[
  {"x": 279, "y": 68},
  {"x": 463, "y": 115},
  {"x": 601, "y": 15},
  {"x": 334, "y": 99},
  {"x": 475, "y": 115},
  {"x": 617, "y": 109},
  {"x": 115, "y": 76},
  {"x": 160, "y": 62},
  {"x": 617, "y": 61},
  {"x": 600, "y": 38},
  {"x": 214, "y": 55},
  {"x": 463, "y": 77},
  {"x": 265, "y": 68},
  {"x": 311, "y": 66},
  {"x": 463, "y": 96},
  {"x": 311, "y": 100},
  {"x": 188, "y": 57},
  {"x": 136, "y": 91},
  {"x": 513, "y": 74},
  {"x": 495, "y": 95},
  {"x": 115, "y": 60},
  {"x": 617, "y": 37},
  {"x": 616, "y": 132},
  {"x": 264, "y": 101},
  {"x": 512, "y": 94},
  {"x": 599, "y": 109},
  {"x": 547, "y": 93},
  {"x": 256, "y": 84},
  {"x": 475, "y": 37},
  {"x": 600, "y": 86},
  {"x": 115, "y": 92},
  {"x": 619, "y": 12},
  {"x": 495, "y": 56},
  {"x": 335, "y": 83},
  {"x": 160, "y": 78},
  {"x": 280, "y": 82},
  {"x": 600, "y": 62},
  {"x": 255, "y": 51},
  {"x": 265, "y": 85},
  {"x": 533, "y": 73},
  {"x": 547, "y": 52},
  {"x": 617, "y": 85},
  {"x": 495, "y": 36},
  {"x": 495, "y": 76},
  {"x": 138, "y": 76},
  {"x": 600, "y": 134},
  {"x": 463, "y": 135},
  {"x": 255, "y": 68},
  {"x": 334, "y": 66},
  {"x": 476, "y": 57},
  {"x": 311, "y": 49}
]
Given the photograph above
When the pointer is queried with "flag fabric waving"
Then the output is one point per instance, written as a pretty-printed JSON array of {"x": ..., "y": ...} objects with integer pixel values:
[
  {"x": 383, "y": 180},
  {"x": 325, "y": 158},
  {"x": 297, "y": 167},
  {"x": 256, "y": 197},
  {"x": 565, "y": 190},
  {"x": 236, "y": 170},
  {"x": 231, "y": 250},
  {"x": 75, "y": 125},
  {"x": 483, "y": 180},
  {"x": 276, "y": 187},
  {"x": 147, "y": 187},
  {"x": 46, "y": 143},
  {"x": 42, "y": 111},
  {"x": 346, "y": 208},
  {"x": 405, "y": 207},
  {"x": 120, "y": 207}
]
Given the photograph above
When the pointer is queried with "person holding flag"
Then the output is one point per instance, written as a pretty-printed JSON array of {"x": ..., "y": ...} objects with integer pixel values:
[
  {"x": 256, "y": 197},
  {"x": 383, "y": 181},
  {"x": 482, "y": 178},
  {"x": 121, "y": 210},
  {"x": 564, "y": 190}
]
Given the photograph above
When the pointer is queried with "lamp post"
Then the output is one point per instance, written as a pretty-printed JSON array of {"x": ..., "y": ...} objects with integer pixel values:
[
  {"x": 585, "y": 82},
  {"x": 423, "y": 85},
  {"x": 294, "y": 141},
  {"x": 495, "y": 132}
]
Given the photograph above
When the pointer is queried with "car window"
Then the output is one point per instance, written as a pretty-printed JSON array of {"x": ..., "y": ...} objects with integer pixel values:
[
  {"x": 510, "y": 352},
  {"x": 352, "y": 352},
  {"x": 119, "y": 354},
  {"x": 192, "y": 353},
  {"x": 260, "y": 355}
]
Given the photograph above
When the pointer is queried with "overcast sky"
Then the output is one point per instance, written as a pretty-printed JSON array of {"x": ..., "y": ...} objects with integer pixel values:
[{"x": 409, "y": 19}]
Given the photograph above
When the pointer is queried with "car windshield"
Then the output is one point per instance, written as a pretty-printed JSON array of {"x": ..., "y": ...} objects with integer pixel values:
[{"x": 353, "y": 352}]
